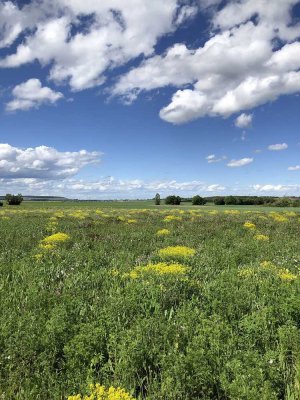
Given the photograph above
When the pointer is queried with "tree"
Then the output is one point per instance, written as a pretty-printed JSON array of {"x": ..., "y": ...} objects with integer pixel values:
[
  {"x": 230, "y": 200},
  {"x": 14, "y": 200},
  {"x": 219, "y": 201},
  {"x": 198, "y": 201},
  {"x": 173, "y": 200},
  {"x": 157, "y": 199}
]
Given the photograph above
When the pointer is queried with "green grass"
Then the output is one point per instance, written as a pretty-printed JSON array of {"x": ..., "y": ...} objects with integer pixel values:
[
  {"x": 142, "y": 204},
  {"x": 228, "y": 328}
]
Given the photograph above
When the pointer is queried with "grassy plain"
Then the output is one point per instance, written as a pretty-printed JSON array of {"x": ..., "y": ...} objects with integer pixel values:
[{"x": 102, "y": 303}]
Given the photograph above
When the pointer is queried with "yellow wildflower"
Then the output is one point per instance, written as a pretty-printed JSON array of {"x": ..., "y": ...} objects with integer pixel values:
[
  {"x": 98, "y": 392},
  {"x": 56, "y": 238},
  {"x": 177, "y": 251},
  {"x": 170, "y": 218},
  {"x": 267, "y": 265},
  {"x": 286, "y": 275},
  {"x": 157, "y": 269},
  {"x": 246, "y": 272},
  {"x": 262, "y": 237},
  {"x": 162, "y": 232},
  {"x": 232, "y": 212},
  {"x": 249, "y": 225},
  {"x": 278, "y": 217},
  {"x": 131, "y": 221},
  {"x": 46, "y": 246}
]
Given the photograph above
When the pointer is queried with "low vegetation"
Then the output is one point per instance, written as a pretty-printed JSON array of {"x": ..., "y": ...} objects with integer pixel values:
[{"x": 156, "y": 304}]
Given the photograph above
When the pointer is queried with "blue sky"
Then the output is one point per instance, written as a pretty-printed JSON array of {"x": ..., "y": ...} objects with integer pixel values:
[{"x": 118, "y": 100}]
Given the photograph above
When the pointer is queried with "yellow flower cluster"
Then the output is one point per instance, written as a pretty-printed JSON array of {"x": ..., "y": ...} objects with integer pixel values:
[
  {"x": 286, "y": 275},
  {"x": 162, "y": 232},
  {"x": 249, "y": 225},
  {"x": 267, "y": 265},
  {"x": 263, "y": 238},
  {"x": 246, "y": 272},
  {"x": 232, "y": 212},
  {"x": 278, "y": 217},
  {"x": 177, "y": 251},
  {"x": 79, "y": 214},
  {"x": 170, "y": 218},
  {"x": 98, "y": 392},
  {"x": 157, "y": 269},
  {"x": 56, "y": 238},
  {"x": 131, "y": 221}
]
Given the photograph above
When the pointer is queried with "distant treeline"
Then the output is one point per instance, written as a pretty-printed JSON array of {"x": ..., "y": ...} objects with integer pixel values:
[
  {"x": 255, "y": 200},
  {"x": 237, "y": 200}
]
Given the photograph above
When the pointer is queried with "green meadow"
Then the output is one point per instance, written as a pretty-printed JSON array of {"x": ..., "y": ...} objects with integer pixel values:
[{"x": 166, "y": 303}]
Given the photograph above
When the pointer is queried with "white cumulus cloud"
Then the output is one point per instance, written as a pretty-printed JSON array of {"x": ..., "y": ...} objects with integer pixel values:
[
  {"x": 238, "y": 68},
  {"x": 31, "y": 94},
  {"x": 42, "y": 162},
  {"x": 243, "y": 121},
  {"x": 81, "y": 40}
]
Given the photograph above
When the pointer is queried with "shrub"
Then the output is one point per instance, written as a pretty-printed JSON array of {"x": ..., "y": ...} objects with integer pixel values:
[
  {"x": 173, "y": 200},
  {"x": 198, "y": 201},
  {"x": 1, "y": 203},
  {"x": 14, "y": 200}
]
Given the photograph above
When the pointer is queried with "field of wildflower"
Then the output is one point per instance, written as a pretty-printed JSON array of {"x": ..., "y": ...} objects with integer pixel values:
[{"x": 159, "y": 304}]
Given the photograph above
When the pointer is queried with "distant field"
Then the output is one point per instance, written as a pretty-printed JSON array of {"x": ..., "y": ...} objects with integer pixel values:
[
  {"x": 140, "y": 204},
  {"x": 185, "y": 303}
]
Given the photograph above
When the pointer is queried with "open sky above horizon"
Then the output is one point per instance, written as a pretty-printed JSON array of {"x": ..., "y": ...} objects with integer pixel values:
[{"x": 112, "y": 99}]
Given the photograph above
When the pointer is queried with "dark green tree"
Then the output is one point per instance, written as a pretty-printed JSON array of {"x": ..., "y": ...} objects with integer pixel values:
[
  {"x": 219, "y": 201},
  {"x": 157, "y": 199},
  {"x": 230, "y": 200},
  {"x": 173, "y": 200},
  {"x": 14, "y": 200},
  {"x": 198, "y": 201}
]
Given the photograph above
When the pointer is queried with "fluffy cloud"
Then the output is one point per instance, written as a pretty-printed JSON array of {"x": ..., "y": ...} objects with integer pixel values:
[
  {"x": 243, "y": 121},
  {"x": 107, "y": 188},
  {"x": 213, "y": 159},
  {"x": 238, "y": 68},
  {"x": 288, "y": 189},
  {"x": 239, "y": 163},
  {"x": 31, "y": 94},
  {"x": 278, "y": 147},
  {"x": 252, "y": 55},
  {"x": 81, "y": 40},
  {"x": 295, "y": 168},
  {"x": 42, "y": 162}
]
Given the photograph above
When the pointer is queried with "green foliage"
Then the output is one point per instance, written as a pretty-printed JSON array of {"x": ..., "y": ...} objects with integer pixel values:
[
  {"x": 157, "y": 199},
  {"x": 219, "y": 201},
  {"x": 172, "y": 200},
  {"x": 13, "y": 200},
  {"x": 230, "y": 200},
  {"x": 282, "y": 202},
  {"x": 228, "y": 329},
  {"x": 198, "y": 201}
]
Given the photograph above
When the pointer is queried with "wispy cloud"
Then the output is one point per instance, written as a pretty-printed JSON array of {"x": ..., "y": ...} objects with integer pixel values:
[
  {"x": 240, "y": 163},
  {"x": 211, "y": 158},
  {"x": 278, "y": 147}
]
